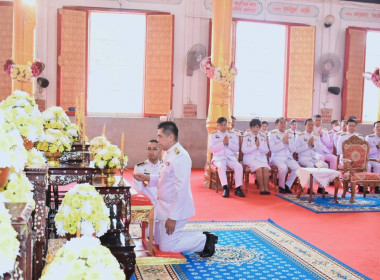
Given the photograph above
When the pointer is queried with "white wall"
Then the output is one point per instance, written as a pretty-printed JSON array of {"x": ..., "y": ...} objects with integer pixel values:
[{"x": 191, "y": 27}]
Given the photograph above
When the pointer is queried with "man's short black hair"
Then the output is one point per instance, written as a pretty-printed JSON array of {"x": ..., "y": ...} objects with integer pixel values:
[
  {"x": 221, "y": 119},
  {"x": 153, "y": 141},
  {"x": 169, "y": 128},
  {"x": 317, "y": 116},
  {"x": 264, "y": 122},
  {"x": 352, "y": 120},
  {"x": 374, "y": 124},
  {"x": 279, "y": 119},
  {"x": 307, "y": 120},
  {"x": 232, "y": 117},
  {"x": 334, "y": 122},
  {"x": 255, "y": 122},
  {"x": 292, "y": 121}
]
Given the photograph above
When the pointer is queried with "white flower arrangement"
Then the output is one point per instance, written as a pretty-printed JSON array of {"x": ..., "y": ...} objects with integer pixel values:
[
  {"x": 12, "y": 151},
  {"x": 21, "y": 110},
  {"x": 35, "y": 157},
  {"x": 54, "y": 141},
  {"x": 83, "y": 258},
  {"x": 82, "y": 207},
  {"x": 56, "y": 118},
  {"x": 97, "y": 144},
  {"x": 18, "y": 189},
  {"x": 9, "y": 245},
  {"x": 72, "y": 132},
  {"x": 109, "y": 157}
]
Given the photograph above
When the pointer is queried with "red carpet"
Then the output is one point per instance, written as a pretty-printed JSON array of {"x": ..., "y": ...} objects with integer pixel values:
[{"x": 352, "y": 238}]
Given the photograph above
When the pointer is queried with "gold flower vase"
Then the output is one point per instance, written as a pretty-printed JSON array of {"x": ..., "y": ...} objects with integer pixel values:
[
  {"x": 110, "y": 176},
  {"x": 53, "y": 158},
  {"x": 4, "y": 172}
]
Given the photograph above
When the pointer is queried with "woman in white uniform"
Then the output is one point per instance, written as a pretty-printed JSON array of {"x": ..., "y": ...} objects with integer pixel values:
[{"x": 255, "y": 149}]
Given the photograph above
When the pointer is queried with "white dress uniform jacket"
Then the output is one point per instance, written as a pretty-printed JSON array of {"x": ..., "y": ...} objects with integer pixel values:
[
  {"x": 307, "y": 155},
  {"x": 255, "y": 157},
  {"x": 225, "y": 155},
  {"x": 294, "y": 133},
  {"x": 326, "y": 151},
  {"x": 282, "y": 157},
  {"x": 148, "y": 168},
  {"x": 374, "y": 152},
  {"x": 343, "y": 137},
  {"x": 175, "y": 201}
]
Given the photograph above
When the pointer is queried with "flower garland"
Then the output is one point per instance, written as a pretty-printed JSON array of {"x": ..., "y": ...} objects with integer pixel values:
[
  {"x": 54, "y": 141},
  {"x": 224, "y": 75},
  {"x": 9, "y": 245},
  {"x": 21, "y": 110},
  {"x": 83, "y": 258},
  {"x": 21, "y": 72},
  {"x": 374, "y": 77},
  {"x": 18, "y": 189},
  {"x": 98, "y": 143},
  {"x": 56, "y": 118},
  {"x": 109, "y": 157},
  {"x": 82, "y": 207}
]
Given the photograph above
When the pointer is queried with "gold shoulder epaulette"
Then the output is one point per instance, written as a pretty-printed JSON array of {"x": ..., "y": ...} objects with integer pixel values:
[
  {"x": 176, "y": 150},
  {"x": 273, "y": 131},
  {"x": 215, "y": 132},
  {"x": 371, "y": 135},
  {"x": 141, "y": 163},
  {"x": 301, "y": 133},
  {"x": 344, "y": 133},
  {"x": 317, "y": 134}
]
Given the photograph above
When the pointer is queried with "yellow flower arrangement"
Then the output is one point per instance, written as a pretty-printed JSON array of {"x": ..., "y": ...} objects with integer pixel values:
[
  {"x": 97, "y": 144},
  {"x": 109, "y": 157},
  {"x": 54, "y": 141},
  {"x": 18, "y": 189},
  {"x": 22, "y": 111},
  {"x": 83, "y": 258},
  {"x": 9, "y": 245},
  {"x": 82, "y": 207},
  {"x": 56, "y": 118},
  {"x": 72, "y": 132}
]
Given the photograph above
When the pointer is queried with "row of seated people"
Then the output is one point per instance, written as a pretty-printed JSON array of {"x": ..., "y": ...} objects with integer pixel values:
[{"x": 313, "y": 145}]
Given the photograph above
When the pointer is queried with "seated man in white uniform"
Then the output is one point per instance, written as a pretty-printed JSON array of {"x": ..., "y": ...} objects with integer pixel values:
[
  {"x": 293, "y": 129},
  {"x": 335, "y": 128},
  {"x": 224, "y": 145},
  {"x": 351, "y": 130},
  {"x": 282, "y": 147},
  {"x": 151, "y": 166},
  {"x": 255, "y": 149},
  {"x": 175, "y": 203},
  {"x": 308, "y": 145},
  {"x": 325, "y": 154},
  {"x": 343, "y": 129},
  {"x": 374, "y": 151}
]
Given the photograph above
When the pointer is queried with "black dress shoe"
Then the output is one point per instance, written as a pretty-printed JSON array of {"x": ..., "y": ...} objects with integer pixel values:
[
  {"x": 287, "y": 189},
  {"x": 377, "y": 190},
  {"x": 267, "y": 193},
  {"x": 308, "y": 191},
  {"x": 209, "y": 250},
  {"x": 282, "y": 190},
  {"x": 361, "y": 189},
  {"x": 262, "y": 193},
  {"x": 239, "y": 192},
  {"x": 320, "y": 190},
  {"x": 226, "y": 193}
]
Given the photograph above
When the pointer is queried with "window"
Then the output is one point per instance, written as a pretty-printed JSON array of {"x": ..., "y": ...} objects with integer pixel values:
[
  {"x": 116, "y": 63},
  {"x": 260, "y": 60},
  {"x": 370, "y": 96}
]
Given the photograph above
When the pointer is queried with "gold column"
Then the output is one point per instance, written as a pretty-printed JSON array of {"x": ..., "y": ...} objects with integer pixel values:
[
  {"x": 220, "y": 103},
  {"x": 24, "y": 23}
]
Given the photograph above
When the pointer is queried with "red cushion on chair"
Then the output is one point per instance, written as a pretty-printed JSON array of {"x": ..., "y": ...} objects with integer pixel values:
[
  {"x": 139, "y": 199},
  {"x": 158, "y": 253}
]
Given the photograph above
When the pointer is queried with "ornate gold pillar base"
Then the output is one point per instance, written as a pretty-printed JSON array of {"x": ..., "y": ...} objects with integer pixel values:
[{"x": 24, "y": 86}]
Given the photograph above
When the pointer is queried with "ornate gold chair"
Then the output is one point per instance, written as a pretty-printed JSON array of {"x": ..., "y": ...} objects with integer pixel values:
[{"x": 354, "y": 170}]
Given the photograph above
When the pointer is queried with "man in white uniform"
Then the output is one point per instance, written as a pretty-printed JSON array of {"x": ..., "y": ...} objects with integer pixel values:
[
  {"x": 374, "y": 151},
  {"x": 351, "y": 130},
  {"x": 282, "y": 147},
  {"x": 224, "y": 145},
  {"x": 175, "y": 203},
  {"x": 151, "y": 166},
  {"x": 293, "y": 129},
  {"x": 308, "y": 145},
  {"x": 324, "y": 153},
  {"x": 343, "y": 129}
]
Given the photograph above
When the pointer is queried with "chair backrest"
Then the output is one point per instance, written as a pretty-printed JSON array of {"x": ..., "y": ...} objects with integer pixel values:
[{"x": 356, "y": 150}]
